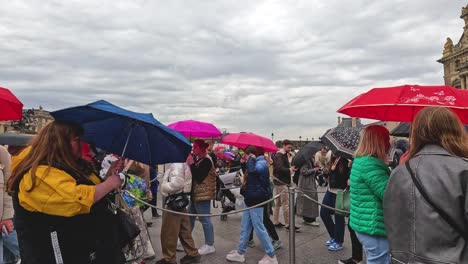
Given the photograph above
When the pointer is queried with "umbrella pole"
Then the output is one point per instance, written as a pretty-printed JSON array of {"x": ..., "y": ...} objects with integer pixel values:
[{"x": 126, "y": 142}]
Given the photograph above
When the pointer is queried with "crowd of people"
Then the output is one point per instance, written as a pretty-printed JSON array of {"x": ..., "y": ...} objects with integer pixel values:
[{"x": 57, "y": 203}]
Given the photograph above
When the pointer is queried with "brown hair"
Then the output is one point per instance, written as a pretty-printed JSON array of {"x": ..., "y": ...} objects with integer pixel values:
[
  {"x": 438, "y": 126},
  {"x": 50, "y": 147},
  {"x": 374, "y": 142}
]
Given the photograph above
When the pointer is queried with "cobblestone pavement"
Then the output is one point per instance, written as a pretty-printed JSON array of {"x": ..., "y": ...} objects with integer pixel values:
[{"x": 310, "y": 242}]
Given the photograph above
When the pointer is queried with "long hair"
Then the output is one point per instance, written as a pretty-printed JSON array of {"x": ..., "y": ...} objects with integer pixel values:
[
  {"x": 438, "y": 126},
  {"x": 374, "y": 142},
  {"x": 50, "y": 147}
]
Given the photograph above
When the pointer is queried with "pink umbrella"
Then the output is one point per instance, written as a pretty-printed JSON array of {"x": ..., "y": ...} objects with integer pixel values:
[
  {"x": 193, "y": 128},
  {"x": 243, "y": 140}
]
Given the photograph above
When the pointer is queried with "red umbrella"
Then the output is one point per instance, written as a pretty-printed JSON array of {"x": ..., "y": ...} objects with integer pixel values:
[
  {"x": 243, "y": 140},
  {"x": 402, "y": 103},
  {"x": 11, "y": 107}
]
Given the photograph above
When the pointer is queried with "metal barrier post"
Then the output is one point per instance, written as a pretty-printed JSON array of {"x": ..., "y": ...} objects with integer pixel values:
[{"x": 292, "y": 228}]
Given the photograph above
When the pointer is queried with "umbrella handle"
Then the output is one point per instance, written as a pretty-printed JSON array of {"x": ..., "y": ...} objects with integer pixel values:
[{"x": 126, "y": 142}]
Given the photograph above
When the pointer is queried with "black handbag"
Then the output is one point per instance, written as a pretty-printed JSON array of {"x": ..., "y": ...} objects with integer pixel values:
[
  {"x": 441, "y": 212},
  {"x": 177, "y": 202},
  {"x": 127, "y": 228}
]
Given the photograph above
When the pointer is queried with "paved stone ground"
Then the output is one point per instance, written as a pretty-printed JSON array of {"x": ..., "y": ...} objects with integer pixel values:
[{"x": 310, "y": 242}]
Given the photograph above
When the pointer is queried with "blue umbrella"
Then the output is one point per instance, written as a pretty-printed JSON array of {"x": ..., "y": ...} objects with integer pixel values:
[{"x": 138, "y": 136}]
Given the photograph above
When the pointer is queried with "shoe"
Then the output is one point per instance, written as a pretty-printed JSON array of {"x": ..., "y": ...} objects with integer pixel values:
[
  {"x": 335, "y": 246},
  {"x": 190, "y": 259},
  {"x": 205, "y": 249},
  {"x": 156, "y": 216},
  {"x": 276, "y": 244},
  {"x": 295, "y": 228},
  {"x": 330, "y": 241},
  {"x": 164, "y": 261},
  {"x": 149, "y": 224},
  {"x": 235, "y": 256},
  {"x": 315, "y": 223},
  {"x": 268, "y": 260},
  {"x": 279, "y": 225},
  {"x": 179, "y": 246},
  {"x": 251, "y": 244},
  {"x": 348, "y": 261}
]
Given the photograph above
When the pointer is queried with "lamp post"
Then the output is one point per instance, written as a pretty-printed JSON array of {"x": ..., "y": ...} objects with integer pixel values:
[
  {"x": 272, "y": 137},
  {"x": 300, "y": 141}
]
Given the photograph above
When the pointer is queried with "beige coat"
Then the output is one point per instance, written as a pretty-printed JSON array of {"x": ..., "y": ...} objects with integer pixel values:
[{"x": 6, "y": 204}]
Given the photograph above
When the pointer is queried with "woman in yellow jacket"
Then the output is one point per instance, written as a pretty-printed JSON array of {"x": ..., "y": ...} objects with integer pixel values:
[{"x": 60, "y": 213}]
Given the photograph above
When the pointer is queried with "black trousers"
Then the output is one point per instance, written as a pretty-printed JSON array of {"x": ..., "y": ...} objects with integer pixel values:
[
  {"x": 270, "y": 227},
  {"x": 356, "y": 247},
  {"x": 154, "y": 202}
]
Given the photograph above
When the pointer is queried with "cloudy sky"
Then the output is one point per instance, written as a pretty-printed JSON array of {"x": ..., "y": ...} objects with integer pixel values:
[{"x": 260, "y": 66}]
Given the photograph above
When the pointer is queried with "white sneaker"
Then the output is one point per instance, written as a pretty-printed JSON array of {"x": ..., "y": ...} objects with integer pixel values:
[
  {"x": 179, "y": 246},
  {"x": 268, "y": 260},
  {"x": 205, "y": 249},
  {"x": 235, "y": 256}
]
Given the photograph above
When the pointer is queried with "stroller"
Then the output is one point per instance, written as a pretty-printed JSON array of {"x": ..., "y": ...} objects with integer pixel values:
[{"x": 224, "y": 183}]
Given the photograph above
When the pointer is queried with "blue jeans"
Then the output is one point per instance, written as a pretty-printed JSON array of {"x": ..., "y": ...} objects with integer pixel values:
[
  {"x": 203, "y": 207},
  {"x": 377, "y": 248},
  {"x": 254, "y": 217},
  {"x": 10, "y": 248},
  {"x": 335, "y": 229}
]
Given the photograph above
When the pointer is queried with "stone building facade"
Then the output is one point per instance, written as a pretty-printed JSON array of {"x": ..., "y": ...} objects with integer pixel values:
[
  {"x": 455, "y": 58},
  {"x": 33, "y": 120}
]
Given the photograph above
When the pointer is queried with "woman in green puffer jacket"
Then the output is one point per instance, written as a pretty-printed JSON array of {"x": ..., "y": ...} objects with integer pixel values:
[{"x": 368, "y": 180}]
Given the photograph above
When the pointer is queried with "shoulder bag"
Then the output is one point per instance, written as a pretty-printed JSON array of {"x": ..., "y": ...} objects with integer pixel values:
[
  {"x": 342, "y": 202},
  {"x": 441, "y": 212}
]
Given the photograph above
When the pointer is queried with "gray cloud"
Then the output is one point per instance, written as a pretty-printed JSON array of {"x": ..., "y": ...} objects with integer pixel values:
[{"x": 281, "y": 67}]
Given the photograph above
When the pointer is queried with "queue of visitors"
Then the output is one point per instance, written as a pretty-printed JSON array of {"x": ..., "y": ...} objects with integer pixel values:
[{"x": 61, "y": 211}]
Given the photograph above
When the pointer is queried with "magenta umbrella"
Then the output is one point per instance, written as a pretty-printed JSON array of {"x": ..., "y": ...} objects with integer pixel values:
[
  {"x": 243, "y": 140},
  {"x": 193, "y": 128}
]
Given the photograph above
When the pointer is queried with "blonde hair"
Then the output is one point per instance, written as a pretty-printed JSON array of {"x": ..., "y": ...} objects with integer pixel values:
[
  {"x": 374, "y": 142},
  {"x": 438, "y": 126},
  {"x": 50, "y": 147}
]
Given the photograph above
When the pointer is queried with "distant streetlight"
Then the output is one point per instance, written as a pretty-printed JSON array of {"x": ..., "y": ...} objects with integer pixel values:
[
  {"x": 300, "y": 141},
  {"x": 272, "y": 137}
]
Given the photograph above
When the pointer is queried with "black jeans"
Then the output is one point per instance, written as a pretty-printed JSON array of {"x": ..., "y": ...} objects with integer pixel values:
[
  {"x": 268, "y": 224},
  {"x": 356, "y": 246},
  {"x": 335, "y": 229}
]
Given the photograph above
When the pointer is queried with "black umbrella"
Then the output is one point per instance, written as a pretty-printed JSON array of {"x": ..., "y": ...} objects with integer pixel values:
[
  {"x": 12, "y": 139},
  {"x": 306, "y": 152},
  {"x": 343, "y": 141},
  {"x": 402, "y": 130}
]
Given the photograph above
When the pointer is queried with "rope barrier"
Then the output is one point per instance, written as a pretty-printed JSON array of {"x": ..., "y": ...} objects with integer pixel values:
[
  {"x": 321, "y": 204},
  {"x": 202, "y": 215}
]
